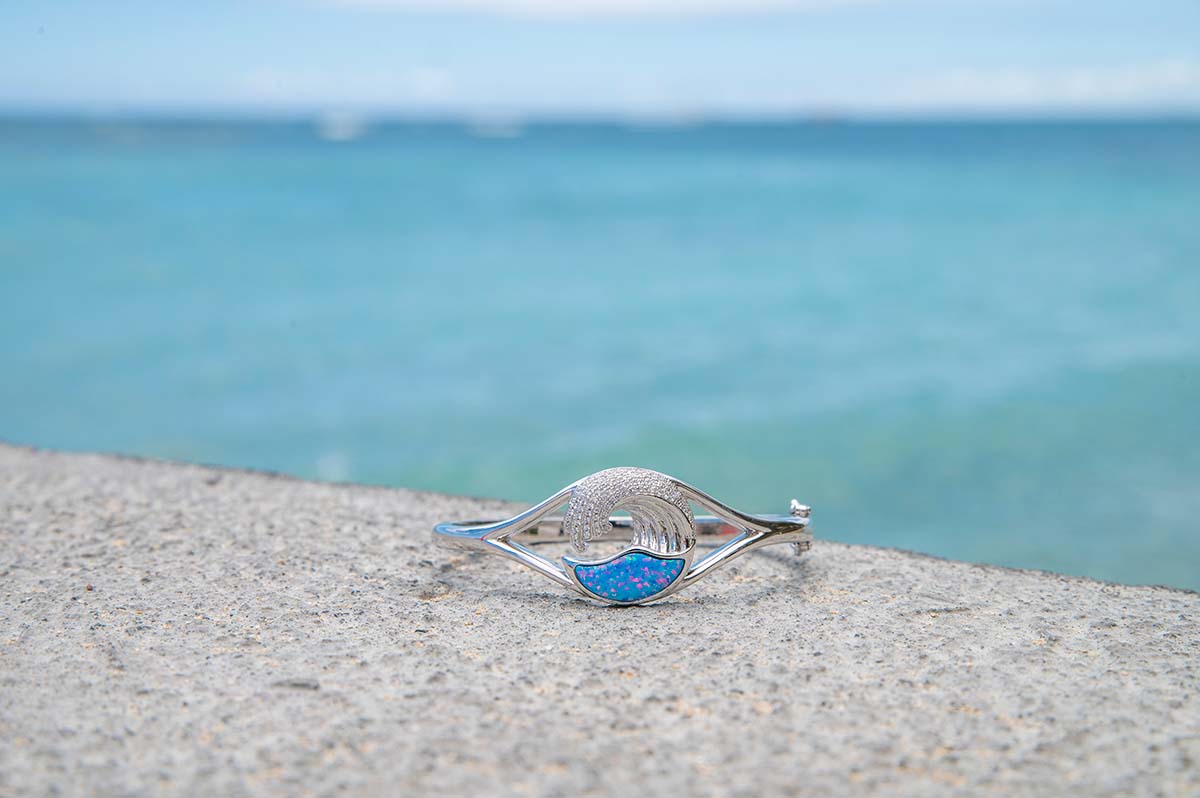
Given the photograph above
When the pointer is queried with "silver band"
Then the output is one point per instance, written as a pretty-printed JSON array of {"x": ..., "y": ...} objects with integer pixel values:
[{"x": 664, "y": 535}]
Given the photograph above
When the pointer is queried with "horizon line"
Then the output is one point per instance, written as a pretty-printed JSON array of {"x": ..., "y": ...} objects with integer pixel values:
[{"x": 381, "y": 116}]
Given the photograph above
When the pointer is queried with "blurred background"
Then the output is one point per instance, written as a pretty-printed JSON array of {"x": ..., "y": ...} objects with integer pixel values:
[{"x": 932, "y": 267}]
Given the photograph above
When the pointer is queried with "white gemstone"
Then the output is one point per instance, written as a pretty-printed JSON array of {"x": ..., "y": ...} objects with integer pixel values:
[{"x": 664, "y": 524}]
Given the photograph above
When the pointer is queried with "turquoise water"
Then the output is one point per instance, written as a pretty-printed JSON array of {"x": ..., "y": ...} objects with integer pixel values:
[{"x": 978, "y": 341}]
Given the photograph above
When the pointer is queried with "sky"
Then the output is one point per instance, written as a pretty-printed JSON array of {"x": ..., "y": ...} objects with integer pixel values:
[{"x": 563, "y": 58}]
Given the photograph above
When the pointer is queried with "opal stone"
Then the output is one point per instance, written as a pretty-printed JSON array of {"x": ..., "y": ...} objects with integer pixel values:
[{"x": 632, "y": 577}]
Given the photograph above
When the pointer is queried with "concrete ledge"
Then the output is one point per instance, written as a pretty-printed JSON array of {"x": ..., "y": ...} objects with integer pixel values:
[{"x": 171, "y": 629}]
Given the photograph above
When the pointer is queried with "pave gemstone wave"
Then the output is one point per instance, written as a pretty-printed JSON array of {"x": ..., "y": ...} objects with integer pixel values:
[
  {"x": 662, "y": 519},
  {"x": 632, "y": 577}
]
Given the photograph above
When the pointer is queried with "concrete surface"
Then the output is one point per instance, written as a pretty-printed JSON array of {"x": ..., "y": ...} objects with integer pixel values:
[{"x": 169, "y": 630}]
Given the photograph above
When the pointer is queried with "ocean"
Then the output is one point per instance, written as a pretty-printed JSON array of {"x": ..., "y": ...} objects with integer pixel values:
[{"x": 976, "y": 340}]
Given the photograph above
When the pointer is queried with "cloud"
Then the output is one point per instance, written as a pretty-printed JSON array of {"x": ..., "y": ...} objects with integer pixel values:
[
  {"x": 575, "y": 8},
  {"x": 1158, "y": 85}
]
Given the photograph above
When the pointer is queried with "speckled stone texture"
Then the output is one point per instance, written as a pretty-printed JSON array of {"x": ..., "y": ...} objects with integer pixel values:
[{"x": 172, "y": 630}]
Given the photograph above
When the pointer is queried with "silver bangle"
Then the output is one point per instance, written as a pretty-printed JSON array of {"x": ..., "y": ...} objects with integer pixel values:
[{"x": 664, "y": 535}]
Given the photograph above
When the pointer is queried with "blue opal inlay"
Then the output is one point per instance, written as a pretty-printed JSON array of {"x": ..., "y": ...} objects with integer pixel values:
[{"x": 632, "y": 577}]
